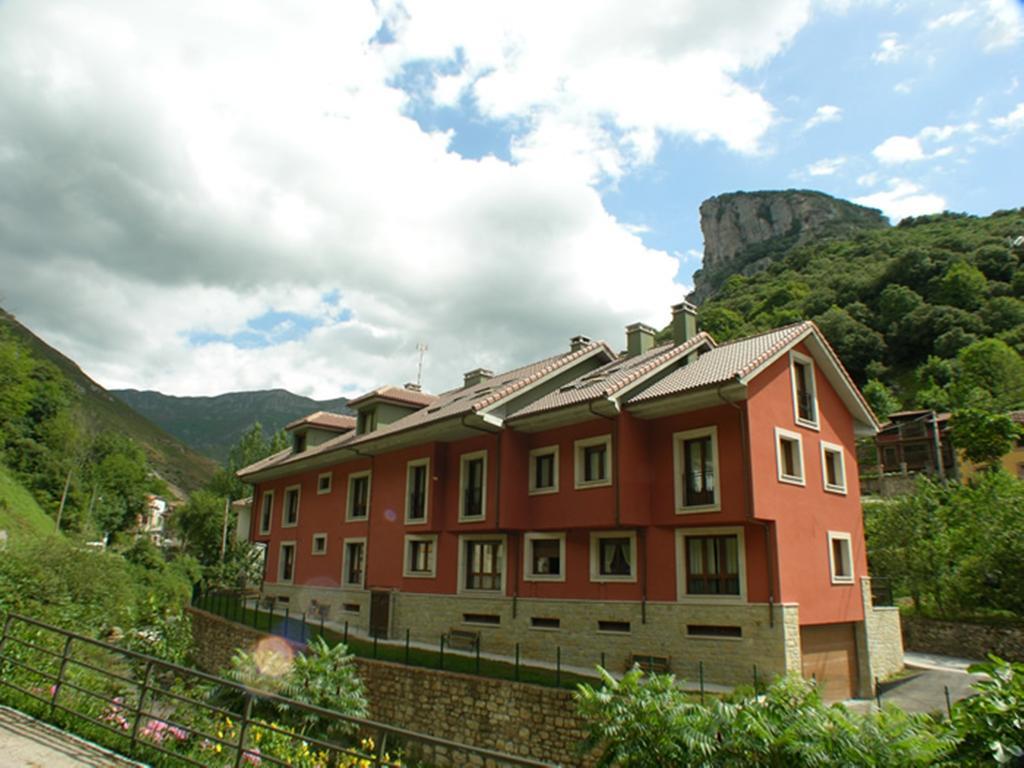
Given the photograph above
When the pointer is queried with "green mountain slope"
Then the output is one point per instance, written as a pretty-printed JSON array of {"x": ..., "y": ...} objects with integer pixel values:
[
  {"x": 174, "y": 461},
  {"x": 211, "y": 425},
  {"x": 20, "y": 515},
  {"x": 894, "y": 302}
]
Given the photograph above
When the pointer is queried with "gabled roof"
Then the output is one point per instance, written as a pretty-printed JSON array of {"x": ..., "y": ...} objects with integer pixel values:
[
  {"x": 336, "y": 422},
  {"x": 613, "y": 377},
  {"x": 399, "y": 395},
  {"x": 448, "y": 405}
]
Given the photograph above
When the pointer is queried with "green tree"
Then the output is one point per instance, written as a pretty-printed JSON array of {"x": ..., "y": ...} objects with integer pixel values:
[
  {"x": 983, "y": 436},
  {"x": 252, "y": 446},
  {"x": 198, "y": 525},
  {"x": 881, "y": 399},
  {"x": 963, "y": 286},
  {"x": 856, "y": 343},
  {"x": 993, "y": 367}
]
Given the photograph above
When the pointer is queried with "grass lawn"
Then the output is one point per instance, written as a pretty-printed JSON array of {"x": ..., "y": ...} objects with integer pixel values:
[{"x": 20, "y": 516}]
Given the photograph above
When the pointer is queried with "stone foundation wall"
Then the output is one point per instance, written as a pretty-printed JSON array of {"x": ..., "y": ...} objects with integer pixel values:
[
  {"x": 215, "y": 640},
  {"x": 968, "y": 641},
  {"x": 879, "y": 642}
]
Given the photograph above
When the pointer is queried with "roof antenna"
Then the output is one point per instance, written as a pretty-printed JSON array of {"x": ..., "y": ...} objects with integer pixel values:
[{"x": 422, "y": 349}]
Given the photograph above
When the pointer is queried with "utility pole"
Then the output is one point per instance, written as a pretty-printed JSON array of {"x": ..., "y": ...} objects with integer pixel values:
[
  {"x": 422, "y": 349},
  {"x": 938, "y": 445},
  {"x": 63, "y": 498},
  {"x": 224, "y": 532}
]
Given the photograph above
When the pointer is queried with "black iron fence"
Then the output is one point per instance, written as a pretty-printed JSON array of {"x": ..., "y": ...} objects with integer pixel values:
[{"x": 172, "y": 715}]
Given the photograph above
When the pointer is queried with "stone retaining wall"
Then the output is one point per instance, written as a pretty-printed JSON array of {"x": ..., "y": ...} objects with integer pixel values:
[{"x": 968, "y": 641}]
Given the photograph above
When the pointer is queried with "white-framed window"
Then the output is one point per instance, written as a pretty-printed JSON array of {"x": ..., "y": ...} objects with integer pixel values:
[
  {"x": 840, "y": 557},
  {"x": 805, "y": 395},
  {"x": 711, "y": 564},
  {"x": 353, "y": 566},
  {"x": 593, "y": 461},
  {"x": 789, "y": 455},
  {"x": 613, "y": 556},
  {"x": 319, "y": 543},
  {"x": 544, "y": 558},
  {"x": 286, "y": 562},
  {"x": 695, "y": 453},
  {"x": 290, "y": 508},
  {"x": 266, "y": 512},
  {"x": 323, "y": 483},
  {"x": 357, "y": 507},
  {"x": 833, "y": 467},
  {"x": 417, "y": 477},
  {"x": 420, "y": 557},
  {"x": 544, "y": 470},
  {"x": 473, "y": 486},
  {"x": 482, "y": 563}
]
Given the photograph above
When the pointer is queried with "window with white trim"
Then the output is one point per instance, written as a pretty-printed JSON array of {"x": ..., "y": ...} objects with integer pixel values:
[
  {"x": 286, "y": 562},
  {"x": 290, "y": 509},
  {"x": 840, "y": 557},
  {"x": 545, "y": 557},
  {"x": 482, "y": 563},
  {"x": 805, "y": 396},
  {"x": 789, "y": 454},
  {"x": 319, "y": 543},
  {"x": 710, "y": 563},
  {"x": 833, "y": 467},
  {"x": 696, "y": 470},
  {"x": 613, "y": 556},
  {"x": 353, "y": 568},
  {"x": 358, "y": 505},
  {"x": 593, "y": 461},
  {"x": 420, "y": 557},
  {"x": 473, "y": 486},
  {"x": 544, "y": 470},
  {"x": 266, "y": 512},
  {"x": 416, "y": 474},
  {"x": 323, "y": 482}
]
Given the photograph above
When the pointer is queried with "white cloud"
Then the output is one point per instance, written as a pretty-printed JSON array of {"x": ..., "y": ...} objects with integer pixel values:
[
  {"x": 1004, "y": 26},
  {"x": 1012, "y": 121},
  {"x": 898, "y": 149},
  {"x": 902, "y": 199},
  {"x": 826, "y": 167},
  {"x": 867, "y": 179},
  {"x": 951, "y": 19},
  {"x": 827, "y": 113},
  {"x": 904, "y": 86},
  {"x": 190, "y": 170},
  {"x": 890, "y": 49}
]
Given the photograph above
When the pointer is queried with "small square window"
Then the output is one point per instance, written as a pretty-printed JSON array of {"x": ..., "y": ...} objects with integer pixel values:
[
  {"x": 266, "y": 512},
  {"x": 416, "y": 475},
  {"x": 420, "y": 556},
  {"x": 840, "y": 555},
  {"x": 833, "y": 468},
  {"x": 593, "y": 461},
  {"x": 473, "y": 486},
  {"x": 353, "y": 568},
  {"x": 790, "y": 456},
  {"x": 358, "y": 496},
  {"x": 323, "y": 483},
  {"x": 286, "y": 564},
  {"x": 613, "y": 556},
  {"x": 319, "y": 543},
  {"x": 544, "y": 470},
  {"x": 290, "y": 514},
  {"x": 545, "y": 557}
]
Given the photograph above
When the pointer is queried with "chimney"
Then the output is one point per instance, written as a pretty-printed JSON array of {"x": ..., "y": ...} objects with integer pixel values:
[
  {"x": 684, "y": 322},
  {"x": 412, "y": 386},
  {"x": 477, "y": 375},
  {"x": 576, "y": 343},
  {"x": 639, "y": 339}
]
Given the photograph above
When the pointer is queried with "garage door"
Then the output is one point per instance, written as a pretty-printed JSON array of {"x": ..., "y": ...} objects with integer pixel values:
[{"x": 830, "y": 656}]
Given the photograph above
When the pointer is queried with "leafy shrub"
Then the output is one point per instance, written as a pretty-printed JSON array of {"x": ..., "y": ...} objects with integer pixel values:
[{"x": 991, "y": 725}]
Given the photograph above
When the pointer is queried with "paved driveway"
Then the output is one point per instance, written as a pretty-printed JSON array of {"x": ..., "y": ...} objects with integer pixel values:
[
  {"x": 28, "y": 743},
  {"x": 924, "y": 690}
]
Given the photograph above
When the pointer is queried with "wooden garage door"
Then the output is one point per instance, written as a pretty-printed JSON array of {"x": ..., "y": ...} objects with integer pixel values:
[{"x": 830, "y": 656}]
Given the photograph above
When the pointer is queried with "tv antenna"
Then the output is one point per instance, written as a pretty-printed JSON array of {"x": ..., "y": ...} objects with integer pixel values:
[{"x": 422, "y": 349}]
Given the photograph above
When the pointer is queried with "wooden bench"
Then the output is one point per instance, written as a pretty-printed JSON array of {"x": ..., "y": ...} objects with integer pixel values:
[
  {"x": 651, "y": 665},
  {"x": 462, "y": 639}
]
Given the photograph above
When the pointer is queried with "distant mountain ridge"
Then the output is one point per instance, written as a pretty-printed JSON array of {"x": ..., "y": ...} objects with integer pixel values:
[
  {"x": 212, "y": 424},
  {"x": 175, "y": 462}
]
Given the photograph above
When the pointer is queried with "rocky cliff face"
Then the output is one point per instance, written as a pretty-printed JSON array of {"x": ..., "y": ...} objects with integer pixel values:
[{"x": 745, "y": 231}]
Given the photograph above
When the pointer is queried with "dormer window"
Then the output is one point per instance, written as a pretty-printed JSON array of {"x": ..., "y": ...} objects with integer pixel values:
[
  {"x": 805, "y": 397},
  {"x": 367, "y": 421},
  {"x": 299, "y": 442}
]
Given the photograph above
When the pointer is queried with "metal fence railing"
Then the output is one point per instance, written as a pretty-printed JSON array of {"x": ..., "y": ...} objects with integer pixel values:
[{"x": 172, "y": 715}]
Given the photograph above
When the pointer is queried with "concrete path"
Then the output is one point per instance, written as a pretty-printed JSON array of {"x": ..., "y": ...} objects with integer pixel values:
[
  {"x": 924, "y": 689},
  {"x": 29, "y": 743}
]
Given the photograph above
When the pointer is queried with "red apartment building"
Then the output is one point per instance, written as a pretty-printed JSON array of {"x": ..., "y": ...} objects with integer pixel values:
[{"x": 690, "y": 501}]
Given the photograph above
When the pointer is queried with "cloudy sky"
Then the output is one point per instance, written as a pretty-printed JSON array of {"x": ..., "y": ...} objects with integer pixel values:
[{"x": 200, "y": 197}]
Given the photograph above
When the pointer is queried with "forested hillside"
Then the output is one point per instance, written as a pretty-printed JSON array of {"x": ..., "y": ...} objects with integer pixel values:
[{"x": 898, "y": 304}]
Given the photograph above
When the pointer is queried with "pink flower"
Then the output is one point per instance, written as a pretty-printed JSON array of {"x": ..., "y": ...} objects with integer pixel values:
[{"x": 252, "y": 757}]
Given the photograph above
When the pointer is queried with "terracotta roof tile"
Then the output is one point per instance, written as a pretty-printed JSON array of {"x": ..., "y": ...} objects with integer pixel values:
[
  {"x": 729, "y": 361},
  {"x": 325, "y": 420},
  {"x": 398, "y": 394}
]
